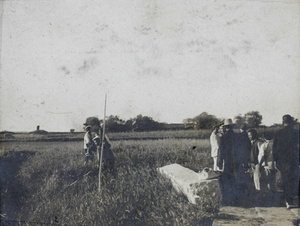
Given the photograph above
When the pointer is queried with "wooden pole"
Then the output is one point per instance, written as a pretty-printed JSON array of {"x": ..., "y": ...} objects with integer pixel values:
[{"x": 102, "y": 145}]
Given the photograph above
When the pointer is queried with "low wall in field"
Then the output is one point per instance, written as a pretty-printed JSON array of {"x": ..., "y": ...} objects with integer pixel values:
[{"x": 204, "y": 192}]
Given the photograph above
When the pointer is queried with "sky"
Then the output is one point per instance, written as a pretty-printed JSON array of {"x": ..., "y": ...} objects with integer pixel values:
[{"x": 166, "y": 59}]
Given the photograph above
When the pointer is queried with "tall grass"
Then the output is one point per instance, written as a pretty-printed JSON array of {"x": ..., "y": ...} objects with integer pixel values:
[{"x": 139, "y": 195}]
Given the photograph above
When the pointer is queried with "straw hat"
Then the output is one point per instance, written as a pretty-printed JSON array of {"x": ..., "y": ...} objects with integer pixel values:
[{"x": 228, "y": 122}]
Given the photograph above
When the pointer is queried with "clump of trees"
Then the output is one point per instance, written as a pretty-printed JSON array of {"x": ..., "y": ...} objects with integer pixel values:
[
  {"x": 206, "y": 121},
  {"x": 144, "y": 123},
  {"x": 203, "y": 121},
  {"x": 252, "y": 119},
  {"x": 115, "y": 124}
]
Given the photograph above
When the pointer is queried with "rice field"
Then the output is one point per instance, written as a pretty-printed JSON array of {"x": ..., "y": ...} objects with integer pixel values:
[{"x": 51, "y": 184}]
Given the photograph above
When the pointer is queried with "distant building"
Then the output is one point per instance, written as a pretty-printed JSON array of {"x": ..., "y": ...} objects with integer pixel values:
[{"x": 38, "y": 131}]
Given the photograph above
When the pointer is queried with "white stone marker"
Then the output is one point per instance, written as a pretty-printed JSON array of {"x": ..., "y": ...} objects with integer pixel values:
[{"x": 187, "y": 181}]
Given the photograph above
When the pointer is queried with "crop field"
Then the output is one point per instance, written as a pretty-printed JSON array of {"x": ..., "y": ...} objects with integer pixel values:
[
  {"x": 48, "y": 183},
  {"x": 77, "y": 136}
]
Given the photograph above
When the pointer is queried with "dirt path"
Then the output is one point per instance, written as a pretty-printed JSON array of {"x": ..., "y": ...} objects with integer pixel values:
[
  {"x": 275, "y": 216},
  {"x": 11, "y": 190}
]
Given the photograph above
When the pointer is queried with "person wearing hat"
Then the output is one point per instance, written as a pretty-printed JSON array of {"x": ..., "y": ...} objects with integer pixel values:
[
  {"x": 227, "y": 158},
  {"x": 227, "y": 145},
  {"x": 87, "y": 143},
  {"x": 286, "y": 156}
]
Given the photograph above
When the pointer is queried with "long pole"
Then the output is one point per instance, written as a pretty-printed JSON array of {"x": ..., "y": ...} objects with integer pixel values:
[{"x": 102, "y": 144}]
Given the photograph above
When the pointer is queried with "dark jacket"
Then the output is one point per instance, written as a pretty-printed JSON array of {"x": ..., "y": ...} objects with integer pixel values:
[
  {"x": 254, "y": 151},
  {"x": 243, "y": 147},
  {"x": 286, "y": 148},
  {"x": 227, "y": 150}
]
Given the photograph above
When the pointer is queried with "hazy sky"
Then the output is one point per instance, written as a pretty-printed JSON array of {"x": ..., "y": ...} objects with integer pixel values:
[{"x": 166, "y": 59}]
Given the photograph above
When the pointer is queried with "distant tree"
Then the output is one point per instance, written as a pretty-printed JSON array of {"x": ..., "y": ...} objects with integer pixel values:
[
  {"x": 129, "y": 124},
  {"x": 72, "y": 130},
  {"x": 115, "y": 124},
  {"x": 189, "y": 123},
  {"x": 276, "y": 125},
  {"x": 143, "y": 123},
  {"x": 239, "y": 120},
  {"x": 204, "y": 121},
  {"x": 253, "y": 119}
]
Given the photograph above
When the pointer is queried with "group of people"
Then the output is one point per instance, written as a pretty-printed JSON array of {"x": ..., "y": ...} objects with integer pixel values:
[
  {"x": 249, "y": 163},
  {"x": 93, "y": 145}
]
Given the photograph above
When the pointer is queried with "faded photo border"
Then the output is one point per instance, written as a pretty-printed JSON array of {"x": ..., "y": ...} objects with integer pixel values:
[{"x": 65, "y": 63}]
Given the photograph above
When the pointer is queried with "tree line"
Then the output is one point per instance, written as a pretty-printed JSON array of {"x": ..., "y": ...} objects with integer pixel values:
[
  {"x": 252, "y": 119},
  {"x": 114, "y": 123}
]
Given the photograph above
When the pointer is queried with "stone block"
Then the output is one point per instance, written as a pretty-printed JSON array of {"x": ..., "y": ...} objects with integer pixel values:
[{"x": 206, "y": 192}]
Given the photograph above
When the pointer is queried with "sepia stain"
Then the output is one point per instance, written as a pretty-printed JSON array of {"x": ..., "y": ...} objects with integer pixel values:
[
  {"x": 230, "y": 62},
  {"x": 232, "y": 22},
  {"x": 88, "y": 64},
  {"x": 65, "y": 70},
  {"x": 233, "y": 51},
  {"x": 247, "y": 46}
]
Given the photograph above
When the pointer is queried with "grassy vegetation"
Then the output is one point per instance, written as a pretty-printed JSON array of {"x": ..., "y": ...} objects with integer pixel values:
[
  {"x": 151, "y": 135},
  {"x": 51, "y": 136},
  {"x": 179, "y": 134},
  {"x": 138, "y": 196},
  {"x": 77, "y": 136}
]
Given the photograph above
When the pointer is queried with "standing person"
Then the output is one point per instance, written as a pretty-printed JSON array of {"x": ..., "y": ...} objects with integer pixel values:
[
  {"x": 242, "y": 158},
  {"x": 227, "y": 157},
  {"x": 255, "y": 162},
  {"x": 108, "y": 158},
  {"x": 243, "y": 147},
  {"x": 266, "y": 156},
  {"x": 221, "y": 130},
  {"x": 227, "y": 149},
  {"x": 87, "y": 143},
  {"x": 215, "y": 147},
  {"x": 286, "y": 156}
]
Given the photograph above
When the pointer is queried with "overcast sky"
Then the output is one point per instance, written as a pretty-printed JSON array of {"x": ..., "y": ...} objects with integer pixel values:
[{"x": 166, "y": 59}]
